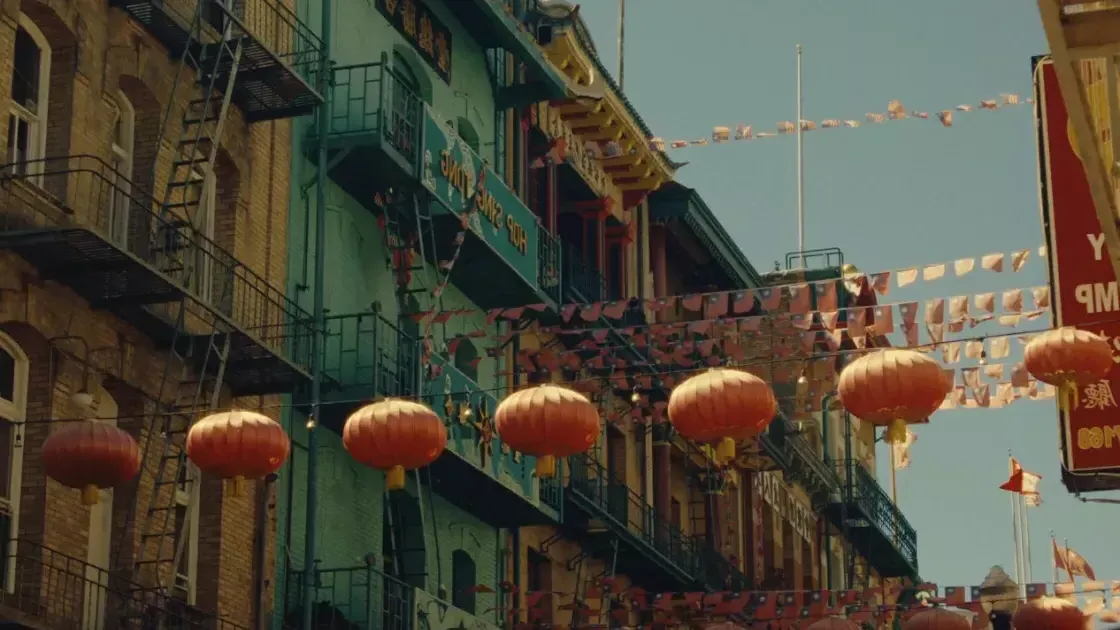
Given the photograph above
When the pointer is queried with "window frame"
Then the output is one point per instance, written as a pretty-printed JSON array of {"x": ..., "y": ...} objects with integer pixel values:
[
  {"x": 122, "y": 161},
  {"x": 202, "y": 273},
  {"x": 15, "y": 412},
  {"x": 188, "y": 496},
  {"x": 38, "y": 120}
]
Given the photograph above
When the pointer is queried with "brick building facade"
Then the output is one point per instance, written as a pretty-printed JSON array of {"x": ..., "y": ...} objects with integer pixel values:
[{"x": 85, "y": 90}]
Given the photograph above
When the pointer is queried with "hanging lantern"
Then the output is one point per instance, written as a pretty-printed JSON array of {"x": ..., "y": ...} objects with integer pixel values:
[
  {"x": 394, "y": 435},
  {"x": 547, "y": 422},
  {"x": 892, "y": 388},
  {"x": 937, "y": 619},
  {"x": 833, "y": 623},
  {"x": 1066, "y": 358},
  {"x": 723, "y": 406},
  {"x": 238, "y": 445},
  {"x": 1050, "y": 613},
  {"x": 90, "y": 456}
]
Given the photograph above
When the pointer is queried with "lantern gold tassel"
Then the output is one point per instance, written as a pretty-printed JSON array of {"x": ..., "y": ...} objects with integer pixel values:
[
  {"x": 725, "y": 451},
  {"x": 236, "y": 486},
  {"x": 394, "y": 478},
  {"x": 896, "y": 432},
  {"x": 91, "y": 494},
  {"x": 546, "y": 467},
  {"x": 1068, "y": 396}
]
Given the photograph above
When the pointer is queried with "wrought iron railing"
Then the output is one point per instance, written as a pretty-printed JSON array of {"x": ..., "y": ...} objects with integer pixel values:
[
  {"x": 550, "y": 261},
  {"x": 83, "y": 191},
  {"x": 860, "y": 488},
  {"x": 365, "y": 349},
  {"x": 60, "y": 591},
  {"x": 616, "y": 501},
  {"x": 280, "y": 30},
  {"x": 351, "y": 598},
  {"x": 582, "y": 282},
  {"x": 371, "y": 98},
  {"x": 716, "y": 571},
  {"x": 552, "y": 493}
]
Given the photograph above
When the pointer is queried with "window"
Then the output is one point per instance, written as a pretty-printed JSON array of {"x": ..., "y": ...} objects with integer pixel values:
[
  {"x": 27, "y": 109},
  {"x": 466, "y": 359},
  {"x": 463, "y": 581},
  {"x": 124, "y": 131},
  {"x": 186, "y": 525},
  {"x": 202, "y": 268},
  {"x": 540, "y": 581},
  {"x": 13, "y": 406}
]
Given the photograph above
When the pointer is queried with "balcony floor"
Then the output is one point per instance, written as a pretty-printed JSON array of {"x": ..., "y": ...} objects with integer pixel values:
[
  {"x": 111, "y": 278},
  {"x": 461, "y": 483}
]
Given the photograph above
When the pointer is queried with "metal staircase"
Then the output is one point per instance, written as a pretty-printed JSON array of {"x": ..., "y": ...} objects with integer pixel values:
[
  {"x": 409, "y": 230},
  {"x": 164, "y": 514}
]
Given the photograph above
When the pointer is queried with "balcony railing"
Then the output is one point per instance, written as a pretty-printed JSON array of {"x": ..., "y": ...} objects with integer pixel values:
[
  {"x": 861, "y": 488},
  {"x": 550, "y": 264},
  {"x": 365, "y": 350},
  {"x": 54, "y": 590},
  {"x": 352, "y": 598},
  {"x": 281, "y": 31},
  {"x": 581, "y": 281},
  {"x": 82, "y": 191},
  {"x": 370, "y": 99},
  {"x": 616, "y": 501}
]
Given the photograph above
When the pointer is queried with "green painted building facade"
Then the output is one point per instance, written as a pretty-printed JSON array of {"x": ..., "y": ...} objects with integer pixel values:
[{"x": 415, "y": 122}]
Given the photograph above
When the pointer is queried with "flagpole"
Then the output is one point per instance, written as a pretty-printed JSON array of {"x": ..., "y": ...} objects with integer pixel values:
[
  {"x": 1026, "y": 538},
  {"x": 800, "y": 170},
  {"x": 1053, "y": 556},
  {"x": 1015, "y": 524},
  {"x": 894, "y": 486}
]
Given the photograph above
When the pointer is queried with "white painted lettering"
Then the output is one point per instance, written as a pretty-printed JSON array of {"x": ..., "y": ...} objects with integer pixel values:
[
  {"x": 1097, "y": 241},
  {"x": 1098, "y": 297}
]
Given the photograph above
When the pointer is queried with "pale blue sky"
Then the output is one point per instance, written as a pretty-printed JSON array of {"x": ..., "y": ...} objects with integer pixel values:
[{"x": 891, "y": 196}]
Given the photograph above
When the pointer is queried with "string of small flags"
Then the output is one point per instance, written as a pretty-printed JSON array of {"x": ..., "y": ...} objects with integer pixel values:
[{"x": 895, "y": 111}]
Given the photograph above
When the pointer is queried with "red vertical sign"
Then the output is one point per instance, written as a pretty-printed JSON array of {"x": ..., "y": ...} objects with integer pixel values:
[{"x": 1086, "y": 294}]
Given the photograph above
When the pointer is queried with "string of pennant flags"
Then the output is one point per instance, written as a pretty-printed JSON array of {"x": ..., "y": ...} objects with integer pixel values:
[
  {"x": 895, "y": 111},
  {"x": 606, "y": 604},
  {"x": 769, "y": 298}
]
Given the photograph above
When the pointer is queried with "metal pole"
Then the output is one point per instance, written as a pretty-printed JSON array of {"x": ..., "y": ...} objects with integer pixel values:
[
  {"x": 319, "y": 312},
  {"x": 1023, "y": 509},
  {"x": 800, "y": 169},
  {"x": 621, "y": 43},
  {"x": 1019, "y": 573}
]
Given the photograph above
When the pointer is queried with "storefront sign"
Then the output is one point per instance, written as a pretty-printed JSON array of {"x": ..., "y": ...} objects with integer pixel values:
[
  {"x": 417, "y": 24},
  {"x": 780, "y": 496},
  {"x": 450, "y": 173},
  {"x": 1086, "y": 294},
  {"x": 588, "y": 166}
]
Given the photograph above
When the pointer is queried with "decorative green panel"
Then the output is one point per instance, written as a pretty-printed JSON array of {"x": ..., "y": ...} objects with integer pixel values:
[
  {"x": 468, "y": 413},
  {"x": 450, "y": 172}
]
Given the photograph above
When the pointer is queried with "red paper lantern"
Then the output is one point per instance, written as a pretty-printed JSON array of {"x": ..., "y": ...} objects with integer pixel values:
[
  {"x": 1068, "y": 357},
  {"x": 238, "y": 445},
  {"x": 547, "y": 422},
  {"x": 90, "y": 456},
  {"x": 937, "y": 619},
  {"x": 892, "y": 388},
  {"x": 723, "y": 406},
  {"x": 394, "y": 436},
  {"x": 1050, "y": 613}
]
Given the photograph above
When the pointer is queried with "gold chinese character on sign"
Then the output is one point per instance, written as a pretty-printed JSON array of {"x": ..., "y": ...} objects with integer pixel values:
[
  {"x": 408, "y": 17},
  {"x": 425, "y": 38},
  {"x": 1099, "y": 395},
  {"x": 391, "y": 6},
  {"x": 443, "y": 53}
]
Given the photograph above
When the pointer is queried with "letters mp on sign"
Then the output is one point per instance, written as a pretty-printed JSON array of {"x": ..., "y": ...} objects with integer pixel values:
[{"x": 1084, "y": 284}]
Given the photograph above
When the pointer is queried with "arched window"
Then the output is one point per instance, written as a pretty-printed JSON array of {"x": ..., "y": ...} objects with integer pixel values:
[
  {"x": 468, "y": 133},
  {"x": 13, "y": 407},
  {"x": 27, "y": 109},
  {"x": 122, "y": 148},
  {"x": 465, "y": 358},
  {"x": 405, "y": 73},
  {"x": 463, "y": 581}
]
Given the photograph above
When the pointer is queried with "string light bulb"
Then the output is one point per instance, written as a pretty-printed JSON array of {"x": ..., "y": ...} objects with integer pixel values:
[{"x": 635, "y": 397}]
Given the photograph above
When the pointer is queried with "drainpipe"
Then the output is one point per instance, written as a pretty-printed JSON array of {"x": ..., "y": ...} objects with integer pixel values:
[
  {"x": 826, "y": 536},
  {"x": 260, "y": 565},
  {"x": 319, "y": 311}
]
